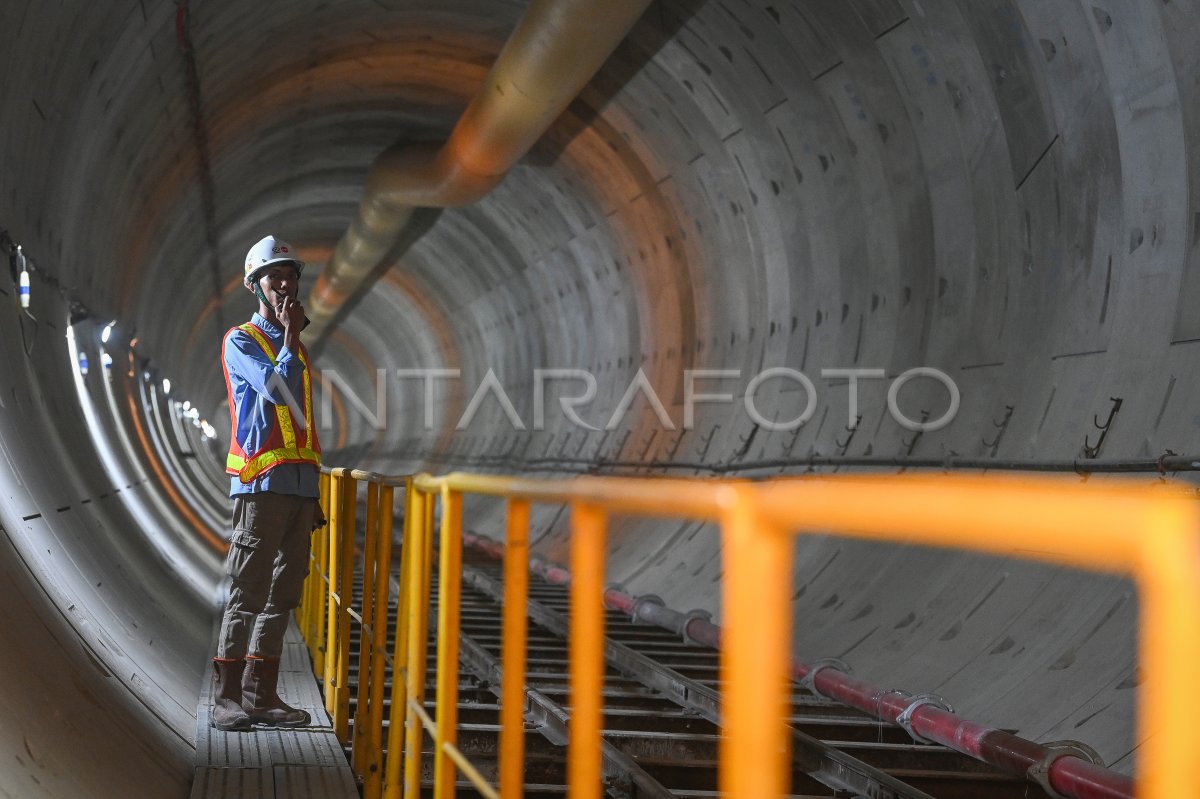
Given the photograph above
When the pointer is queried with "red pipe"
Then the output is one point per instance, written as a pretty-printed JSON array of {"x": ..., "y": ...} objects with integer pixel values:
[
  {"x": 551, "y": 574},
  {"x": 618, "y": 600},
  {"x": 493, "y": 548},
  {"x": 1068, "y": 775},
  {"x": 703, "y": 631}
]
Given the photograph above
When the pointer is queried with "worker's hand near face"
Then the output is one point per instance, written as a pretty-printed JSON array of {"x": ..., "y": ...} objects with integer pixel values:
[{"x": 290, "y": 313}]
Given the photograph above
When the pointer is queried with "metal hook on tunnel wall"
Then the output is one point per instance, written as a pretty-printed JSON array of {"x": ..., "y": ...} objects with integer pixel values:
[
  {"x": 1088, "y": 450},
  {"x": 744, "y": 446},
  {"x": 706, "y": 441},
  {"x": 649, "y": 443},
  {"x": 1002, "y": 425},
  {"x": 787, "y": 448},
  {"x": 845, "y": 445},
  {"x": 616, "y": 454},
  {"x": 674, "y": 448},
  {"x": 911, "y": 443}
]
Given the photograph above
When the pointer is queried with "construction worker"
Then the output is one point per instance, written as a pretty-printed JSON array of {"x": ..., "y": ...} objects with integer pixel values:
[{"x": 274, "y": 459}]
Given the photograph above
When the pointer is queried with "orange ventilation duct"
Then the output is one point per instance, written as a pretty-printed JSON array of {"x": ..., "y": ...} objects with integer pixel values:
[{"x": 554, "y": 51}]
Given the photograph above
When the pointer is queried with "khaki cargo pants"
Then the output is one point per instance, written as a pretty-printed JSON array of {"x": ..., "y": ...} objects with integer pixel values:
[{"x": 267, "y": 563}]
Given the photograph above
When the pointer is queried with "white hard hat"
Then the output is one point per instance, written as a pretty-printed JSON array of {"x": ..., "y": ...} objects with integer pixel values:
[{"x": 269, "y": 250}]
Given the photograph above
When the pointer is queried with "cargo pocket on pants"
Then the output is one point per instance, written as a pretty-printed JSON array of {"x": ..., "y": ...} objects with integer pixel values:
[{"x": 248, "y": 562}]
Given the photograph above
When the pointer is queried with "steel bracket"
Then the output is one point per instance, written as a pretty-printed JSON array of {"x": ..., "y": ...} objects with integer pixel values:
[
  {"x": 905, "y": 718},
  {"x": 810, "y": 680},
  {"x": 641, "y": 602},
  {"x": 687, "y": 619},
  {"x": 1040, "y": 772}
]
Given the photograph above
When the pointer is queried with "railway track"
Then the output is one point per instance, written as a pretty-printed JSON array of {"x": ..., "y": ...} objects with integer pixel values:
[{"x": 661, "y": 702}]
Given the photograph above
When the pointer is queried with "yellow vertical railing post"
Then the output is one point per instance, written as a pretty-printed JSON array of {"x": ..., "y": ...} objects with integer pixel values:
[
  {"x": 1168, "y": 705},
  {"x": 316, "y": 596},
  {"x": 332, "y": 569},
  {"x": 341, "y": 710},
  {"x": 418, "y": 633},
  {"x": 755, "y": 647},
  {"x": 394, "y": 766},
  {"x": 373, "y": 765},
  {"x": 310, "y": 606},
  {"x": 586, "y": 654},
  {"x": 366, "y": 630},
  {"x": 308, "y": 601},
  {"x": 301, "y": 611},
  {"x": 320, "y": 589},
  {"x": 449, "y": 589},
  {"x": 513, "y": 648}
]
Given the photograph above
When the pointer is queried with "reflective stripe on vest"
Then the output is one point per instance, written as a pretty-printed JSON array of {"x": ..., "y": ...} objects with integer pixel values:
[{"x": 281, "y": 445}]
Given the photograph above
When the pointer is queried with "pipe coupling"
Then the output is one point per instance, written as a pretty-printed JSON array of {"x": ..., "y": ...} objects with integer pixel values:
[
  {"x": 688, "y": 618},
  {"x": 643, "y": 601},
  {"x": 1040, "y": 772},
  {"x": 905, "y": 718},
  {"x": 809, "y": 682}
]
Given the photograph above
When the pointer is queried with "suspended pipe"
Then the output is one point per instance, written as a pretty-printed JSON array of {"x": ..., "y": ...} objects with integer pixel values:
[
  {"x": 1161, "y": 465},
  {"x": 556, "y": 48},
  {"x": 1061, "y": 768}
]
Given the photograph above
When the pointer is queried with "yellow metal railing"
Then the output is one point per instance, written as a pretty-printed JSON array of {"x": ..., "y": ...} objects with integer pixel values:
[
  {"x": 326, "y": 612},
  {"x": 1149, "y": 533}
]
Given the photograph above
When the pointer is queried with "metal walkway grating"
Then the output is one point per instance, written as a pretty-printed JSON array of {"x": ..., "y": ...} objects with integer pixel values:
[{"x": 269, "y": 763}]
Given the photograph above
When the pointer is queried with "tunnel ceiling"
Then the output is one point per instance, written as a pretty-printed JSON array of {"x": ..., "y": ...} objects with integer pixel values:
[
  {"x": 999, "y": 190},
  {"x": 902, "y": 184}
]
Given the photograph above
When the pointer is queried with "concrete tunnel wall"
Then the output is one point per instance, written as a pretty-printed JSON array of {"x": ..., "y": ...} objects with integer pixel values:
[{"x": 998, "y": 189}]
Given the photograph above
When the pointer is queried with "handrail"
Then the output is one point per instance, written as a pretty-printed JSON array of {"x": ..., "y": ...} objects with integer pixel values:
[
  {"x": 1150, "y": 533},
  {"x": 923, "y": 717},
  {"x": 326, "y": 611}
]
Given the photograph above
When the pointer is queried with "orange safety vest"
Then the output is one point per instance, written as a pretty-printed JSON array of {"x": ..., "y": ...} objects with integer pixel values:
[{"x": 282, "y": 445}]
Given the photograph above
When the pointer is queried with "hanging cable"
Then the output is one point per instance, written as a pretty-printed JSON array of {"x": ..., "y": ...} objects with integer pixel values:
[{"x": 208, "y": 191}]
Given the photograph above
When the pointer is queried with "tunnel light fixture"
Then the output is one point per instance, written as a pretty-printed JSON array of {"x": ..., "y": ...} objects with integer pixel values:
[
  {"x": 187, "y": 405},
  {"x": 107, "y": 334},
  {"x": 106, "y": 360},
  {"x": 24, "y": 279},
  {"x": 166, "y": 386}
]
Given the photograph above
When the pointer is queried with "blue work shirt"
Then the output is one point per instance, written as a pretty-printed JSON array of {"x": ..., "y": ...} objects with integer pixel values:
[{"x": 254, "y": 407}]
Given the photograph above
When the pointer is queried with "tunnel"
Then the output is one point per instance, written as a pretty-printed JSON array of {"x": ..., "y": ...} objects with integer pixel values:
[{"x": 966, "y": 226}]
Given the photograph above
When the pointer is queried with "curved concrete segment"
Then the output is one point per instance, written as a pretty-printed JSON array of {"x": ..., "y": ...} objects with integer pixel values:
[{"x": 997, "y": 190}]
